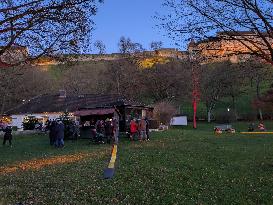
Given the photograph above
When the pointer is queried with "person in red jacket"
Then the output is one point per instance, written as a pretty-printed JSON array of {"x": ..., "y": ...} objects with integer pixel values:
[{"x": 133, "y": 129}]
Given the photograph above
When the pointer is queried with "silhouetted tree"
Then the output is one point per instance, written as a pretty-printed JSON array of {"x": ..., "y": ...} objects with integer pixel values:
[
  {"x": 200, "y": 19},
  {"x": 46, "y": 27},
  {"x": 127, "y": 46},
  {"x": 155, "y": 45},
  {"x": 100, "y": 46},
  {"x": 218, "y": 80},
  {"x": 258, "y": 74}
]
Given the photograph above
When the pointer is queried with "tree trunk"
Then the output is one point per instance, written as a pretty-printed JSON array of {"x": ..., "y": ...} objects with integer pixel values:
[
  {"x": 209, "y": 115},
  {"x": 258, "y": 90},
  {"x": 233, "y": 102},
  {"x": 260, "y": 114}
]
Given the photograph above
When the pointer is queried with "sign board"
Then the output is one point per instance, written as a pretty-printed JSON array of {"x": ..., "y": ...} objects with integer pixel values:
[{"x": 179, "y": 120}]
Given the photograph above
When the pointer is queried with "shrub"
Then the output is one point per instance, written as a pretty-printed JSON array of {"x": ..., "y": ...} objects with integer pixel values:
[
  {"x": 30, "y": 122},
  {"x": 224, "y": 116},
  {"x": 251, "y": 116},
  {"x": 164, "y": 111}
]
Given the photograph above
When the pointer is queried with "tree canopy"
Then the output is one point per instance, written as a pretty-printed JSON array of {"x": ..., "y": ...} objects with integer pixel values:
[
  {"x": 46, "y": 27},
  {"x": 199, "y": 19}
]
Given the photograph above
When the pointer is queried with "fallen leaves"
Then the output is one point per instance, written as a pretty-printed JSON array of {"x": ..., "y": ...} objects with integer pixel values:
[{"x": 37, "y": 164}]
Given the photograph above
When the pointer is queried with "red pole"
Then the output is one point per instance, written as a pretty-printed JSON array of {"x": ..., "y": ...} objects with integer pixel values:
[
  {"x": 195, "y": 91},
  {"x": 194, "y": 112},
  {"x": 194, "y": 58}
]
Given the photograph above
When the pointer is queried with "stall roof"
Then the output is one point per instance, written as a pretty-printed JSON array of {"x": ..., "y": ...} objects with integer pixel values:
[
  {"x": 69, "y": 103},
  {"x": 98, "y": 111}
]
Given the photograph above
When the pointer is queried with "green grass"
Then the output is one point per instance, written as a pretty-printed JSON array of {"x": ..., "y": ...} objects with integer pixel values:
[{"x": 180, "y": 166}]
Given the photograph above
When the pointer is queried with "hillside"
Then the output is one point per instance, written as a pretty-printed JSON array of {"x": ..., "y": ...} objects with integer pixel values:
[{"x": 149, "y": 79}]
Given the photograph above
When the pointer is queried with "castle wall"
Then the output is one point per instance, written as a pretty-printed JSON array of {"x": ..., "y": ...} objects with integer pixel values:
[{"x": 225, "y": 48}]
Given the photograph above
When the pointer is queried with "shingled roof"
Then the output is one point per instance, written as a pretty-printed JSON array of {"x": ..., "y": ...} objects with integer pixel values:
[{"x": 70, "y": 103}]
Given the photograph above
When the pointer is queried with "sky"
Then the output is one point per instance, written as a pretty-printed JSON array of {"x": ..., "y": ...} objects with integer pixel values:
[{"x": 129, "y": 18}]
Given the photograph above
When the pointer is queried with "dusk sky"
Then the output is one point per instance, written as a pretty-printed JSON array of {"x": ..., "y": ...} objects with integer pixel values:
[{"x": 133, "y": 19}]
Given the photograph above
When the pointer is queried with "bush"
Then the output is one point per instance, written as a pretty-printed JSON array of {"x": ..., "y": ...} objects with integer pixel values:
[
  {"x": 251, "y": 116},
  {"x": 164, "y": 111},
  {"x": 224, "y": 116}
]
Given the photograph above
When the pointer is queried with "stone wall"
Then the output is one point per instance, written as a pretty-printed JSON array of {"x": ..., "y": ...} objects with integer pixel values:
[
  {"x": 168, "y": 53},
  {"x": 223, "y": 48}
]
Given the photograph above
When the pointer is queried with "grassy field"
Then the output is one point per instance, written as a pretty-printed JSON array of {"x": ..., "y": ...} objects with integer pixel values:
[{"x": 180, "y": 166}]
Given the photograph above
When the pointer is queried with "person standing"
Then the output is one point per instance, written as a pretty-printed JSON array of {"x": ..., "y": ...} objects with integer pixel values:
[
  {"x": 251, "y": 127},
  {"x": 115, "y": 130},
  {"x": 51, "y": 128},
  {"x": 108, "y": 130},
  {"x": 133, "y": 129},
  {"x": 77, "y": 129},
  {"x": 100, "y": 131},
  {"x": 93, "y": 130},
  {"x": 142, "y": 129},
  {"x": 147, "y": 128},
  {"x": 60, "y": 134},
  {"x": 54, "y": 130},
  {"x": 7, "y": 135}
]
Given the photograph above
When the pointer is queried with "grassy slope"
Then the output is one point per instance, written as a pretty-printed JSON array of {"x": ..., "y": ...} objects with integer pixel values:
[{"x": 181, "y": 166}]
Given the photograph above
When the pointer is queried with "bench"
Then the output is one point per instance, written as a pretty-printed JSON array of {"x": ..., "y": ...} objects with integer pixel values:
[{"x": 223, "y": 127}]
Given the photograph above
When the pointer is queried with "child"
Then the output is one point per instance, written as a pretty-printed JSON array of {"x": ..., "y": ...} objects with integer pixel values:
[
  {"x": 261, "y": 127},
  {"x": 7, "y": 135}
]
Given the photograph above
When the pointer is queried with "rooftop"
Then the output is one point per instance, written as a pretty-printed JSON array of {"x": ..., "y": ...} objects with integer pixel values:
[{"x": 70, "y": 103}]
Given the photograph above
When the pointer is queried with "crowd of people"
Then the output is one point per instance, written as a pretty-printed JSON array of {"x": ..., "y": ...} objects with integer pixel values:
[
  {"x": 139, "y": 129},
  {"x": 102, "y": 131},
  {"x": 56, "y": 133},
  {"x": 105, "y": 131}
]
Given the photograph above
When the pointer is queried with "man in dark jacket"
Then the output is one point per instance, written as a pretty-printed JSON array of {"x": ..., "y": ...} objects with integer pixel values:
[
  {"x": 108, "y": 130},
  {"x": 147, "y": 128},
  {"x": 60, "y": 134},
  {"x": 115, "y": 125},
  {"x": 51, "y": 128},
  {"x": 7, "y": 135}
]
